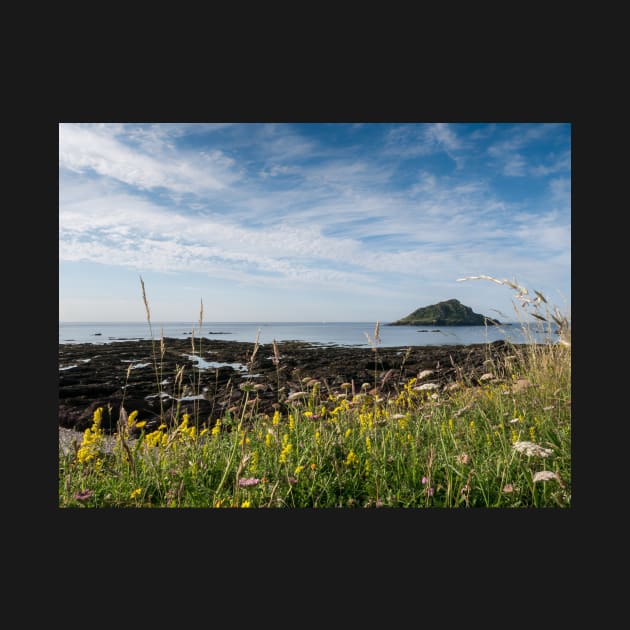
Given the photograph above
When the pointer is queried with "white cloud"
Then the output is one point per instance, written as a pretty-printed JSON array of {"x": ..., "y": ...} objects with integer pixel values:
[
  {"x": 514, "y": 165},
  {"x": 96, "y": 148},
  {"x": 555, "y": 164},
  {"x": 561, "y": 191},
  {"x": 444, "y": 136},
  {"x": 410, "y": 141},
  {"x": 340, "y": 223},
  {"x": 128, "y": 231}
]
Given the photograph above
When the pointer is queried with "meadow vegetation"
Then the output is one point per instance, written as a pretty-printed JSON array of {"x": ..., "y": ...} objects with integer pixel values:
[{"x": 503, "y": 441}]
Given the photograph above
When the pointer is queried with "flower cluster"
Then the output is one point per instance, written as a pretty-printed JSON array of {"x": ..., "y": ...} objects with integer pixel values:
[
  {"x": 92, "y": 439},
  {"x": 545, "y": 475},
  {"x": 531, "y": 449},
  {"x": 286, "y": 449},
  {"x": 246, "y": 482}
]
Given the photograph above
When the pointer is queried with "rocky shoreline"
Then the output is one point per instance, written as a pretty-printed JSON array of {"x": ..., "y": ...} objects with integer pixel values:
[{"x": 95, "y": 375}]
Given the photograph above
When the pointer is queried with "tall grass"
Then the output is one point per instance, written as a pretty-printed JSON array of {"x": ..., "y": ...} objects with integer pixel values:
[{"x": 502, "y": 441}]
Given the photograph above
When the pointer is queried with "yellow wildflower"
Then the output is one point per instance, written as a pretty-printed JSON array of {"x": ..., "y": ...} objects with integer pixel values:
[
  {"x": 132, "y": 417},
  {"x": 92, "y": 439},
  {"x": 288, "y": 447},
  {"x": 135, "y": 493},
  {"x": 141, "y": 424},
  {"x": 298, "y": 470},
  {"x": 253, "y": 464},
  {"x": 351, "y": 459},
  {"x": 153, "y": 439},
  {"x": 246, "y": 504}
]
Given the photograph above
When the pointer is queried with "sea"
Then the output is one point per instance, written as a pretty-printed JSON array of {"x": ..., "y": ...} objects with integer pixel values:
[{"x": 353, "y": 334}]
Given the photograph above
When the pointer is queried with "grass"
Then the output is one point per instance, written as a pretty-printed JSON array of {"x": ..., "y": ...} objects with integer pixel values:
[{"x": 503, "y": 443}]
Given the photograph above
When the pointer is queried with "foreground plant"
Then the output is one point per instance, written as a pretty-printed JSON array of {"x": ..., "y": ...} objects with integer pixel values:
[{"x": 500, "y": 441}]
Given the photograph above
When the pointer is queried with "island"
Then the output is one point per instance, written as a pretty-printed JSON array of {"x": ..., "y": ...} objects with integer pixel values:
[{"x": 448, "y": 313}]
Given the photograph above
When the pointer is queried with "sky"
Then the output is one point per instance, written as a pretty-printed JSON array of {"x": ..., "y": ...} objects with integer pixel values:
[{"x": 264, "y": 222}]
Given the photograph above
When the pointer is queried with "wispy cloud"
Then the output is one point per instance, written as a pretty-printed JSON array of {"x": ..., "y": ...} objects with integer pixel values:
[
  {"x": 97, "y": 149},
  {"x": 301, "y": 207},
  {"x": 508, "y": 153},
  {"x": 410, "y": 141},
  {"x": 554, "y": 164}
]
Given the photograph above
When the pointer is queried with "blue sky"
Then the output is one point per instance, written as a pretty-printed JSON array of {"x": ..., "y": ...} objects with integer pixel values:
[{"x": 309, "y": 222}]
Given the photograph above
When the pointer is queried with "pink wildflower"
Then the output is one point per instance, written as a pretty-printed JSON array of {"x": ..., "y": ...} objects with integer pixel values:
[{"x": 246, "y": 482}]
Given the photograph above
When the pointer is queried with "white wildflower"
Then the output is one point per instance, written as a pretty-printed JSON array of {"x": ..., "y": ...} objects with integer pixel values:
[
  {"x": 426, "y": 386},
  {"x": 531, "y": 449},
  {"x": 545, "y": 475},
  {"x": 296, "y": 395}
]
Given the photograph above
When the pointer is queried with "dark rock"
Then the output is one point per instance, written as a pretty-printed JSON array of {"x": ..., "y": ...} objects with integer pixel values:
[{"x": 107, "y": 381}]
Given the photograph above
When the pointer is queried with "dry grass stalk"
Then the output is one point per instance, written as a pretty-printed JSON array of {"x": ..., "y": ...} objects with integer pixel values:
[
  {"x": 146, "y": 302},
  {"x": 250, "y": 363},
  {"x": 155, "y": 365},
  {"x": 561, "y": 320}
]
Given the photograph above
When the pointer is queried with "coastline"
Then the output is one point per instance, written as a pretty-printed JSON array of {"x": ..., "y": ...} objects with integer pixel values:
[{"x": 131, "y": 373}]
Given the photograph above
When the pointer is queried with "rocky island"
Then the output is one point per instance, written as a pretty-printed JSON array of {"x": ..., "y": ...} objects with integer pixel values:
[{"x": 448, "y": 313}]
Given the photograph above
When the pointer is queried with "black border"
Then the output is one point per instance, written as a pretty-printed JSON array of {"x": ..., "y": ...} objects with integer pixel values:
[{"x": 389, "y": 539}]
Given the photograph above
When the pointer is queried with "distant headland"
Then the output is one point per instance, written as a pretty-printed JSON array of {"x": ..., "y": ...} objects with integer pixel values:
[{"x": 448, "y": 313}]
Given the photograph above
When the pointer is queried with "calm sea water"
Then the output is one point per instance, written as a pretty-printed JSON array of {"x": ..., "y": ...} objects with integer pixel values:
[{"x": 335, "y": 333}]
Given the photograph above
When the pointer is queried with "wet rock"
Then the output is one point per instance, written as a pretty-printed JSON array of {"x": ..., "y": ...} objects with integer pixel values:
[{"x": 134, "y": 374}]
